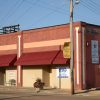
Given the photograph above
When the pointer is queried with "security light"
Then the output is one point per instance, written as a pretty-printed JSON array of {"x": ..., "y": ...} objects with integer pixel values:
[{"x": 77, "y": 1}]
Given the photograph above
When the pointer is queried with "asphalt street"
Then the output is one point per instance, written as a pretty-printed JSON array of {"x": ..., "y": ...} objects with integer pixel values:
[{"x": 30, "y": 96}]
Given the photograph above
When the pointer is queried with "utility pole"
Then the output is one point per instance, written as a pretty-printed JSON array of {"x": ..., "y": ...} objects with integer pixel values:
[{"x": 72, "y": 48}]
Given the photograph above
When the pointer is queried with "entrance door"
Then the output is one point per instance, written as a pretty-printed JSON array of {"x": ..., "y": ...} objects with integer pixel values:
[{"x": 2, "y": 73}]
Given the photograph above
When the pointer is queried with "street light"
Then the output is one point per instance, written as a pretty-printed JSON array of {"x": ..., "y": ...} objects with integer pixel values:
[
  {"x": 77, "y": 1},
  {"x": 72, "y": 45}
]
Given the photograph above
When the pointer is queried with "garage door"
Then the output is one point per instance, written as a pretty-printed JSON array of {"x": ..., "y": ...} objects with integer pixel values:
[{"x": 30, "y": 75}]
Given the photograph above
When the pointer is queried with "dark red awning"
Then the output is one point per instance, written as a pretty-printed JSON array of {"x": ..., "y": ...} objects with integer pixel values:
[
  {"x": 42, "y": 58},
  {"x": 8, "y": 60}
]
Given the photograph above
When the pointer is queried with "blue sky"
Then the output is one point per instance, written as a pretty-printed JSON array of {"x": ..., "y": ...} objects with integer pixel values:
[{"x": 42, "y": 13}]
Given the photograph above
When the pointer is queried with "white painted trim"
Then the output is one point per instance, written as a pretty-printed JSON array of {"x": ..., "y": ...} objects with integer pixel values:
[
  {"x": 19, "y": 44},
  {"x": 19, "y": 76},
  {"x": 46, "y": 43},
  {"x": 77, "y": 54},
  {"x": 19, "y": 54}
]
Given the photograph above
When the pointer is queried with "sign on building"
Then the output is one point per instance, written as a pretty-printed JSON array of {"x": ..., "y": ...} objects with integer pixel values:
[
  {"x": 66, "y": 50},
  {"x": 63, "y": 72},
  {"x": 95, "y": 52},
  {"x": 11, "y": 74}
]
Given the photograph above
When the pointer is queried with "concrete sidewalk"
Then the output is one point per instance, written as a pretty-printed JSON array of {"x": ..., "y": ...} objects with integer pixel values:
[
  {"x": 32, "y": 90},
  {"x": 48, "y": 91},
  {"x": 89, "y": 92}
]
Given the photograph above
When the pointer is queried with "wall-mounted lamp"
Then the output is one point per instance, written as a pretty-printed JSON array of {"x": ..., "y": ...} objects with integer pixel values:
[{"x": 87, "y": 44}]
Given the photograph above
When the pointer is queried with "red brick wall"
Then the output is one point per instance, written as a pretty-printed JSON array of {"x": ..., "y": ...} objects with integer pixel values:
[
  {"x": 51, "y": 33},
  {"x": 7, "y": 39},
  {"x": 45, "y": 34},
  {"x": 92, "y": 76},
  {"x": 92, "y": 71},
  {"x": 78, "y": 86}
]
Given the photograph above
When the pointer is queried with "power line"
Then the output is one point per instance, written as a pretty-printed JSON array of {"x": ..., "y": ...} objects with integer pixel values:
[
  {"x": 90, "y": 7},
  {"x": 35, "y": 4},
  {"x": 93, "y": 6},
  {"x": 96, "y": 4},
  {"x": 46, "y": 7},
  {"x": 12, "y": 12},
  {"x": 46, "y": 16},
  {"x": 7, "y": 14},
  {"x": 56, "y": 9},
  {"x": 91, "y": 11},
  {"x": 26, "y": 11}
]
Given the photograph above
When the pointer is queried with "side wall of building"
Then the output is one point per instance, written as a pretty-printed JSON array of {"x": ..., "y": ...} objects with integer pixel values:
[
  {"x": 46, "y": 39},
  {"x": 92, "y": 68}
]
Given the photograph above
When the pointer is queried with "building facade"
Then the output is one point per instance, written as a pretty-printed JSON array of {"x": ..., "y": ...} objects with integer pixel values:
[{"x": 38, "y": 53}]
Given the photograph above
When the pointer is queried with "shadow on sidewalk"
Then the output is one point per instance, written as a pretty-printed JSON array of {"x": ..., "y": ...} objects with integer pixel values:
[{"x": 87, "y": 90}]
